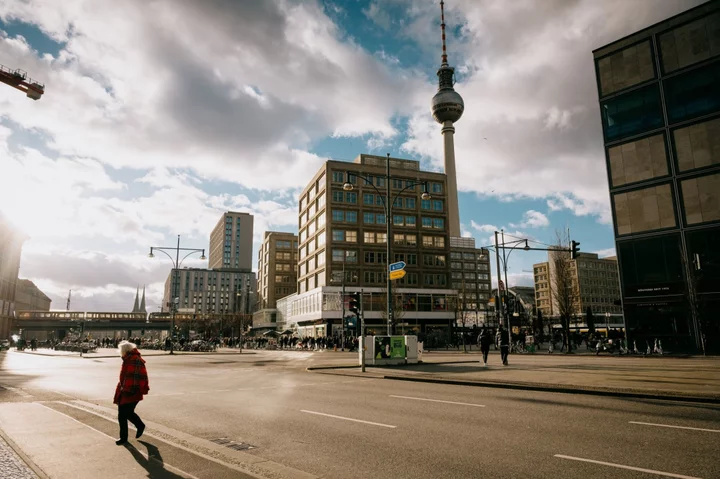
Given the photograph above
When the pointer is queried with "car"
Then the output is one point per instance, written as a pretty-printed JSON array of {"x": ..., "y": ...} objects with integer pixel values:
[{"x": 4, "y": 344}]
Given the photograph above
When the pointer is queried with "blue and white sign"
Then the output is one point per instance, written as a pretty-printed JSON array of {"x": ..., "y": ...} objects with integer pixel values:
[{"x": 400, "y": 265}]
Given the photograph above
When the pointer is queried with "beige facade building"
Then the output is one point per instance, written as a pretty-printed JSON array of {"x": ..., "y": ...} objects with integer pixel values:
[
  {"x": 343, "y": 242},
  {"x": 660, "y": 107},
  {"x": 595, "y": 279},
  {"x": 231, "y": 242},
  {"x": 11, "y": 242},
  {"x": 28, "y": 297},
  {"x": 470, "y": 276},
  {"x": 277, "y": 268}
]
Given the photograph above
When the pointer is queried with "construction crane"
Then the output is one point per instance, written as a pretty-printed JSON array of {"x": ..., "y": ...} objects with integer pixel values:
[{"x": 18, "y": 79}]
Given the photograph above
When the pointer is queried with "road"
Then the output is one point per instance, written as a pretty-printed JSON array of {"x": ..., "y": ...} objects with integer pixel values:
[{"x": 335, "y": 426}]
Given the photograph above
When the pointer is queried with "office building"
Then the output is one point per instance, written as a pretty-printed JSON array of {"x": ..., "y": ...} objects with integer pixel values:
[
  {"x": 208, "y": 291},
  {"x": 470, "y": 276},
  {"x": 343, "y": 240},
  {"x": 595, "y": 281},
  {"x": 11, "y": 242},
  {"x": 28, "y": 297},
  {"x": 660, "y": 106},
  {"x": 231, "y": 242},
  {"x": 277, "y": 276}
]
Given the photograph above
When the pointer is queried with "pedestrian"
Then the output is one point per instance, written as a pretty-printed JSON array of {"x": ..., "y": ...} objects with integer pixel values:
[
  {"x": 485, "y": 340},
  {"x": 502, "y": 338},
  {"x": 131, "y": 388}
]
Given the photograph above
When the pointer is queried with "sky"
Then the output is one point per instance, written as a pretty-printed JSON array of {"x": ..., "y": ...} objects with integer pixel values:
[{"x": 159, "y": 115}]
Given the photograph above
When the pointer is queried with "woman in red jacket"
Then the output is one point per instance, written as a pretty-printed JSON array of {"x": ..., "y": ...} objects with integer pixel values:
[{"x": 130, "y": 390}]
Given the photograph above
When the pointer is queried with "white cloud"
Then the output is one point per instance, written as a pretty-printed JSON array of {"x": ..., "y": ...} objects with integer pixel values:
[
  {"x": 604, "y": 253},
  {"x": 483, "y": 228},
  {"x": 532, "y": 219}
]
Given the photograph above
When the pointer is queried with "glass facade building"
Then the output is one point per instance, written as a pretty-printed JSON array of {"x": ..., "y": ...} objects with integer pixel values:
[{"x": 659, "y": 96}]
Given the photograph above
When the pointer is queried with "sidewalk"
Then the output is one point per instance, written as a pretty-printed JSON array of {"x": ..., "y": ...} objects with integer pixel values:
[
  {"x": 113, "y": 352},
  {"x": 688, "y": 379}
]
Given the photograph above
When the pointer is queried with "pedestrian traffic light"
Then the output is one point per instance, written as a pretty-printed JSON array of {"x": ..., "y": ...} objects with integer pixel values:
[
  {"x": 574, "y": 249},
  {"x": 355, "y": 303}
]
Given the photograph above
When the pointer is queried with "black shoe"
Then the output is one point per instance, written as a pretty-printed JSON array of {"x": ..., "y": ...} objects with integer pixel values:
[
  {"x": 120, "y": 442},
  {"x": 140, "y": 431}
]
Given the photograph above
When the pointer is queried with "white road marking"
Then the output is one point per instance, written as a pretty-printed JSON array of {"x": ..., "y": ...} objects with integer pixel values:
[
  {"x": 631, "y": 468},
  {"x": 348, "y": 419},
  {"x": 149, "y": 458},
  {"x": 674, "y": 427},
  {"x": 438, "y": 400}
]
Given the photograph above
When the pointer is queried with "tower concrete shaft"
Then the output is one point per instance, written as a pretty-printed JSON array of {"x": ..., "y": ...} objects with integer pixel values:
[{"x": 453, "y": 209}]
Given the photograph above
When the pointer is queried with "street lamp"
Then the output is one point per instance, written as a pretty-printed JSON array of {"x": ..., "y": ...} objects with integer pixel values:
[
  {"x": 176, "y": 270},
  {"x": 388, "y": 201}
]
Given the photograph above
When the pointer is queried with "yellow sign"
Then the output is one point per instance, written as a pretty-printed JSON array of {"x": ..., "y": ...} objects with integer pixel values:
[{"x": 397, "y": 274}]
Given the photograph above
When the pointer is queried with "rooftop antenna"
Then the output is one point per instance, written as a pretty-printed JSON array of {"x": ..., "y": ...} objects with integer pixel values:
[{"x": 442, "y": 25}]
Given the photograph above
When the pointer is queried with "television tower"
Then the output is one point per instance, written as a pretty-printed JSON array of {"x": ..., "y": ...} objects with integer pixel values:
[{"x": 447, "y": 108}]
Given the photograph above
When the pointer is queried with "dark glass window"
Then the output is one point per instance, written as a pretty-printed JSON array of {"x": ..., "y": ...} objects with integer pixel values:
[
  {"x": 632, "y": 113},
  {"x": 704, "y": 258},
  {"x": 693, "y": 93},
  {"x": 652, "y": 267}
]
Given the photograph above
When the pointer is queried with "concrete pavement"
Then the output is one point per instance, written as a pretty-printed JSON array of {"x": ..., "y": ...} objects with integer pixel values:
[
  {"x": 291, "y": 423},
  {"x": 687, "y": 379}
]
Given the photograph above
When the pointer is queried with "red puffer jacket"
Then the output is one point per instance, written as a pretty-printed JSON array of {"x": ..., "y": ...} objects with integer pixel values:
[{"x": 134, "y": 381}]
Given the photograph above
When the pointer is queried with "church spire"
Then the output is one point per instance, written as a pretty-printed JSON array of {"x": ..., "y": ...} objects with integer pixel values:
[
  {"x": 143, "y": 309},
  {"x": 136, "y": 307}
]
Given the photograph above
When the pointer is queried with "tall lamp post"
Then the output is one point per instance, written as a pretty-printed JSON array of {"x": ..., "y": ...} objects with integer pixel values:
[
  {"x": 176, "y": 274},
  {"x": 500, "y": 308},
  {"x": 387, "y": 202}
]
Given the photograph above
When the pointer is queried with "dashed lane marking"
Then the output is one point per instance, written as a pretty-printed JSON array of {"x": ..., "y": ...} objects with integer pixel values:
[
  {"x": 622, "y": 466},
  {"x": 348, "y": 419},
  {"x": 438, "y": 400},
  {"x": 674, "y": 427}
]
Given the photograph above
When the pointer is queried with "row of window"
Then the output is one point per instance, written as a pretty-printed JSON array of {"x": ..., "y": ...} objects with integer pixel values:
[
  {"x": 400, "y": 239},
  {"x": 470, "y": 276},
  {"x": 380, "y": 277},
  {"x": 379, "y": 181}
]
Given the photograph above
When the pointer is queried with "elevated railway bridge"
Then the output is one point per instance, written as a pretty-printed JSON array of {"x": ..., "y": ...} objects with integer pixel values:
[{"x": 60, "y": 323}]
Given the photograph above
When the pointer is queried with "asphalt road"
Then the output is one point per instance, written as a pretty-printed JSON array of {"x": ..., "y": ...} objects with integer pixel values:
[{"x": 335, "y": 426}]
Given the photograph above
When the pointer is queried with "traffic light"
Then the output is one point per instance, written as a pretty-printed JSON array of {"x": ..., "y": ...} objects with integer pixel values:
[
  {"x": 574, "y": 249},
  {"x": 355, "y": 303}
]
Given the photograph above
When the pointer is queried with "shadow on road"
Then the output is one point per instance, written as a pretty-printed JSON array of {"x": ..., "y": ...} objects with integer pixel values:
[{"x": 154, "y": 465}]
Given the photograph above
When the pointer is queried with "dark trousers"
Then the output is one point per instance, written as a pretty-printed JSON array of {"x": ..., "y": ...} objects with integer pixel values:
[
  {"x": 485, "y": 350},
  {"x": 126, "y": 412},
  {"x": 504, "y": 353}
]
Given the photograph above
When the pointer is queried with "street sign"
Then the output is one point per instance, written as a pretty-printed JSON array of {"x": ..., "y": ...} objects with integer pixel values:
[
  {"x": 397, "y": 274},
  {"x": 399, "y": 266}
]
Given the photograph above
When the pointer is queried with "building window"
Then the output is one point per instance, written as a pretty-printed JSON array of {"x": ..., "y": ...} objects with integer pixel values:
[
  {"x": 398, "y": 220},
  {"x": 368, "y": 199},
  {"x": 632, "y": 113},
  {"x": 381, "y": 238},
  {"x": 438, "y": 223},
  {"x": 410, "y": 203},
  {"x": 337, "y": 196},
  {"x": 644, "y": 210},
  {"x": 337, "y": 215},
  {"x": 351, "y": 197},
  {"x": 338, "y": 177},
  {"x": 692, "y": 94},
  {"x": 338, "y": 235},
  {"x": 351, "y": 216},
  {"x": 369, "y": 218},
  {"x": 427, "y": 222},
  {"x": 368, "y": 237},
  {"x": 351, "y": 236},
  {"x": 410, "y": 221},
  {"x": 437, "y": 205},
  {"x": 338, "y": 255},
  {"x": 369, "y": 257},
  {"x": 425, "y": 204},
  {"x": 436, "y": 187}
]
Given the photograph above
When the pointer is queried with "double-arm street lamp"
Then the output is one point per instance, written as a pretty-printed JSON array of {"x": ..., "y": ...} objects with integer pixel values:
[
  {"x": 387, "y": 202},
  {"x": 176, "y": 273}
]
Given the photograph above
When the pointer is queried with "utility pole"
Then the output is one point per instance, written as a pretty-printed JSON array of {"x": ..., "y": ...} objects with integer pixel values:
[
  {"x": 388, "y": 220},
  {"x": 67, "y": 307},
  {"x": 498, "y": 309}
]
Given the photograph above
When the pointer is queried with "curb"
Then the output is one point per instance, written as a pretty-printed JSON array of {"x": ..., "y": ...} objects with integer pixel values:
[
  {"x": 23, "y": 457},
  {"x": 590, "y": 391},
  {"x": 92, "y": 356}
]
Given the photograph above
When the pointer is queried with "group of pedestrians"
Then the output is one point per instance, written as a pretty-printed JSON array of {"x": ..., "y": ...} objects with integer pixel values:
[{"x": 485, "y": 339}]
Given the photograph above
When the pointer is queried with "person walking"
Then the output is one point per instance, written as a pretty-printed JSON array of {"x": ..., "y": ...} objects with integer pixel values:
[
  {"x": 504, "y": 341},
  {"x": 131, "y": 388},
  {"x": 485, "y": 340}
]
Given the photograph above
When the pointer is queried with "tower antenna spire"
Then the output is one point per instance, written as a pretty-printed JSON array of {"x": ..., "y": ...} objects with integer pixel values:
[{"x": 442, "y": 26}]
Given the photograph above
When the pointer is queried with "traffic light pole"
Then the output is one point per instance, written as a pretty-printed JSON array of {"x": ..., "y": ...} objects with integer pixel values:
[{"x": 362, "y": 336}]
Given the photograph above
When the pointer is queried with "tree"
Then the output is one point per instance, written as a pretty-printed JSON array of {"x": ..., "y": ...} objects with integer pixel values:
[
  {"x": 589, "y": 320},
  {"x": 538, "y": 327},
  {"x": 397, "y": 305},
  {"x": 565, "y": 288},
  {"x": 461, "y": 312}
]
